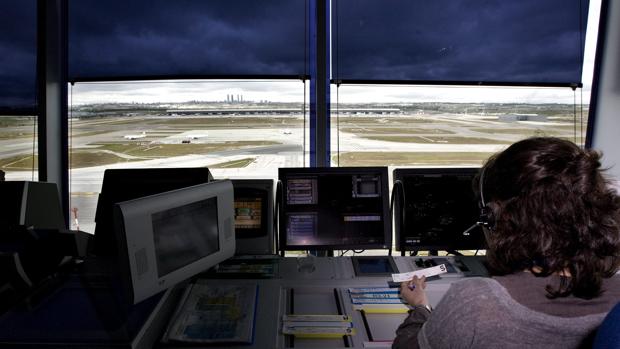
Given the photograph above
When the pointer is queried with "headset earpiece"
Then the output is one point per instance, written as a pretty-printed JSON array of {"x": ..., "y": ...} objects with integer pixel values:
[{"x": 485, "y": 219}]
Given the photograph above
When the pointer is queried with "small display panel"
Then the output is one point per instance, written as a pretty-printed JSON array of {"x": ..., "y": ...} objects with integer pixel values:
[
  {"x": 439, "y": 209},
  {"x": 253, "y": 209},
  {"x": 248, "y": 213},
  {"x": 185, "y": 234},
  {"x": 369, "y": 266},
  {"x": 332, "y": 208}
]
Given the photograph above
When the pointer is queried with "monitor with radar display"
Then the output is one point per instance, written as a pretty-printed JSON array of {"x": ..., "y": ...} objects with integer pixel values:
[
  {"x": 169, "y": 237},
  {"x": 437, "y": 209},
  {"x": 334, "y": 208}
]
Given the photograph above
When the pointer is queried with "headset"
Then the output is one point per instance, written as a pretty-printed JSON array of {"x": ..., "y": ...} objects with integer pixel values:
[{"x": 486, "y": 218}]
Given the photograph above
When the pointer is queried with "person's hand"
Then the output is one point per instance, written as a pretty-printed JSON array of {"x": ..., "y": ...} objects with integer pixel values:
[{"x": 413, "y": 291}]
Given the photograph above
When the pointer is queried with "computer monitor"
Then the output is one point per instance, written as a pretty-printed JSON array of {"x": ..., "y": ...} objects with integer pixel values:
[
  {"x": 132, "y": 183},
  {"x": 31, "y": 204},
  {"x": 169, "y": 237},
  {"x": 334, "y": 208},
  {"x": 439, "y": 209},
  {"x": 254, "y": 216}
]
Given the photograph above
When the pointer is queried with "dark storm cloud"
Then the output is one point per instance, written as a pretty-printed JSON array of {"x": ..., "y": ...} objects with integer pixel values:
[
  {"x": 528, "y": 41},
  {"x": 240, "y": 37},
  {"x": 17, "y": 54},
  {"x": 414, "y": 40}
]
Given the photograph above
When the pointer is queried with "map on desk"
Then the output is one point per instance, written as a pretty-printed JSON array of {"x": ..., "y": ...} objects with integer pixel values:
[{"x": 215, "y": 314}]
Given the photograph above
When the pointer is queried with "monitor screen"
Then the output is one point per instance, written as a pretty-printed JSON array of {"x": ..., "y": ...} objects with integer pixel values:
[
  {"x": 334, "y": 208},
  {"x": 197, "y": 221},
  {"x": 251, "y": 210},
  {"x": 169, "y": 237},
  {"x": 248, "y": 213},
  {"x": 254, "y": 202},
  {"x": 127, "y": 184},
  {"x": 439, "y": 208},
  {"x": 31, "y": 204}
]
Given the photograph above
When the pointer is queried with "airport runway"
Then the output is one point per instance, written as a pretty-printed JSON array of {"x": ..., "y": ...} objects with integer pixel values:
[{"x": 85, "y": 183}]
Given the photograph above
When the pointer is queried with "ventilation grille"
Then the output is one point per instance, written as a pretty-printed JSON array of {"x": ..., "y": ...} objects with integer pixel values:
[{"x": 142, "y": 265}]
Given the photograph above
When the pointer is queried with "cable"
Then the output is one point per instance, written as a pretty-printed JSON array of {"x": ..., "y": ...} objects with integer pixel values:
[
  {"x": 575, "y": 114},
  {"x": 397, "y": 192},
  {"x": 304, "y": 129},
  {"x": 583, "y": 138},
  {"x": 71, "y": 150},
  {"x": 338, "y": 123},
  {"x": 276, "y": 215},
  {"x": 581, "y": 57},
  {"x": 306, "y": 33},
  {"x": 336, "y": 25},
  {"x": 34, "y": 141}
]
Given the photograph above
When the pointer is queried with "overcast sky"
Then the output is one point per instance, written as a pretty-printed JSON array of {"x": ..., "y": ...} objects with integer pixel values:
[
  {"x": 531, "y": 41},
  {"x": 292, "y": 91}
]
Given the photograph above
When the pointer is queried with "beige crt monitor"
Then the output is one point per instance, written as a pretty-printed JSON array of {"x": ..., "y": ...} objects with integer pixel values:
[{"x": 169, "y": 237}]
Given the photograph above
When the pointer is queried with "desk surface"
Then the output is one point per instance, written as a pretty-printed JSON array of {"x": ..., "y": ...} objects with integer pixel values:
[
  {"x": 319, "y": 285},
  {"x": 323, "y": 289}
]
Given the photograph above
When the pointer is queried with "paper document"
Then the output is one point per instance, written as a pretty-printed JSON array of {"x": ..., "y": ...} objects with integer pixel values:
[
  {"x": 216, "y": 314},
  {"x": 428, "y": 272}
]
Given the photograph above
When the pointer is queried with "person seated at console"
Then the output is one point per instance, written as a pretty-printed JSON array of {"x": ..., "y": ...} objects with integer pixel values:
[{"x": 552, "y": 224}]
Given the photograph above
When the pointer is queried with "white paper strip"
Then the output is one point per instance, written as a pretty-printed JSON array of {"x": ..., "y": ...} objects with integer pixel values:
[{"x": 428, "y": 272}]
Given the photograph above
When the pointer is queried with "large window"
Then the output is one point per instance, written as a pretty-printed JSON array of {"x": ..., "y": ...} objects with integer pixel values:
[
  {"x": 18, "y": 148},
  {"x": 117, "y": 39},
  {"x": 18, "y": 94},
  {"x": 378, "y": 125},
  {"x": 525, "y": 42},
  {"x": 417, "y": 105},
  {"x": 238, "y": 129},
  {"x": 18, "y": 57}
]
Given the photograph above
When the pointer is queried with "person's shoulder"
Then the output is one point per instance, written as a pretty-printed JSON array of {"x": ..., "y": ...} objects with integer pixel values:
[
  {"x": 614, "y": 280},
  {"x": 476, "y": 284},
  {"x": 467, "y": 304},
  {"x": 611, "y": 287},
  {"x": 473, "y": 291}
]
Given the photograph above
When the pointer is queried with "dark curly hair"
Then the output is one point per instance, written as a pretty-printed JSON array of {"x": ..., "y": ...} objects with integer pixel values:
[{"x": 552, "y": 210}]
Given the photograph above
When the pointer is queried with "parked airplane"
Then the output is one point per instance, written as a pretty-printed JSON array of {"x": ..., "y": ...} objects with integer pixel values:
[
  {"x": 135, "y": 136},
  {"x": 196, "y": 135}
]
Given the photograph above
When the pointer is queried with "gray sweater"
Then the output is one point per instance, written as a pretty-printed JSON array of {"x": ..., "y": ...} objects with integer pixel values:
[{"x": 481, "y": 313}]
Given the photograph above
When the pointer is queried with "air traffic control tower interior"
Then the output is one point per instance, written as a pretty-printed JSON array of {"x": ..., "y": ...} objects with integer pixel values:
[
  {"x": 186, "y": 258},
  {"x": 189, "y": 250}
]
